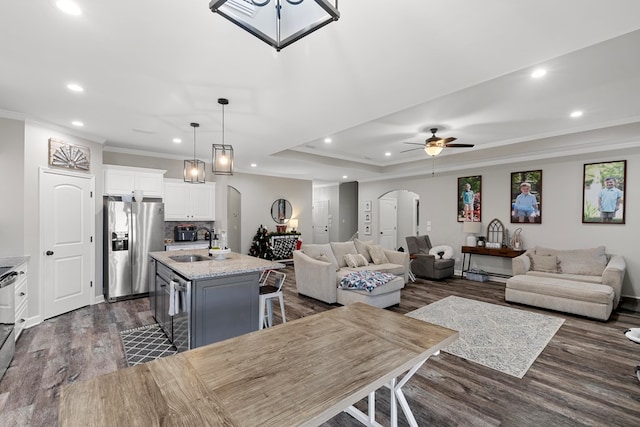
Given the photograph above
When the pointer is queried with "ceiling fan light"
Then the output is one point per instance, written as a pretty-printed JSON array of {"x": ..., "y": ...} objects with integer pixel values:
[{"x": 433, "y": 150}]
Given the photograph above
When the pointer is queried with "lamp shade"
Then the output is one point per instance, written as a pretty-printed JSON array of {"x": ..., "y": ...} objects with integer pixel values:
[
  {"x": 473, "y": 227},
  {"x": 293, "y": 223},
  {"x": 433, "y": 150}
]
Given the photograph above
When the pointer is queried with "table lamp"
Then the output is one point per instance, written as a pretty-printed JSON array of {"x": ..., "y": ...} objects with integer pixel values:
[
  {"x": 293, "y": 223},
  {"x": 473, "y": 228}
]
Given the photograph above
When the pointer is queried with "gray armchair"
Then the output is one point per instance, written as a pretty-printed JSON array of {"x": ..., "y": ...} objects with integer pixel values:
[{"x": 424, "y": 265}]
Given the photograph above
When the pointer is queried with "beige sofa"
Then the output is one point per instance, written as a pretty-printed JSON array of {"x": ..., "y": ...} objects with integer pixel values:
[
  {"x": 320, "y": 267},
  {"x": 587, "y": 282}
]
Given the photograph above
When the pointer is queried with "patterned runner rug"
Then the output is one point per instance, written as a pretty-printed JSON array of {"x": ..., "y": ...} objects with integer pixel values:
[
  {"x": 145, "y": 344},
  {"x": 502, "y": 338}
]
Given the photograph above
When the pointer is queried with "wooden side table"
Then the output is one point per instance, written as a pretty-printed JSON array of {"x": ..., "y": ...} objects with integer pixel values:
[{"x": 481, "y": 250}]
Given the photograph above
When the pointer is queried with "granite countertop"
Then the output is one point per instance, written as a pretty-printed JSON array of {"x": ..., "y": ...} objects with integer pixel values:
[
  {"x": 234, "y": 263},
  {"x": 14, "y": 261}
]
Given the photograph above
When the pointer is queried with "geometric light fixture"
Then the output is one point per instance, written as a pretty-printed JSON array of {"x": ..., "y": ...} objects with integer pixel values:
[
  {"x": 222, "y": 163},
  {"x": 194, "y": 168},
  {"x": 278, "y": 23}
]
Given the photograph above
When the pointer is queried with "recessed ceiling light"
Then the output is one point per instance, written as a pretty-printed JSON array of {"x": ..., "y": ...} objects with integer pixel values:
[
  {"x": 177, "y": 140},
  {"x": 253, "y": 165},
  {"x": 77, "y": 123},
  {"x": 344, "y": 177},
  {"x": 540, "y": 72},
  {"x": 67, "y": 6},
  {"x": 387, "y": 154},
  {"x": 327, "y": 140},
  {"x": 75, "y": 87},
  {"x": 576, "y": 114}
]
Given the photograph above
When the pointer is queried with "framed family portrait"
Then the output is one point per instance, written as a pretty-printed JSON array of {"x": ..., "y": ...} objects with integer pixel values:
[
  {"x": 603, "y": 192},
  {"x": 526, "y": 197},
  {"x": 468, "y": 205}
]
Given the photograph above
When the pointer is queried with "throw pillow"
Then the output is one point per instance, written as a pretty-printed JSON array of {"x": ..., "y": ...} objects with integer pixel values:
[
  {"x": 355, "y": 260},
  {"x": 546, "y": 263},
  {"x": 377, "y": 254},
  {"x": 315, "y": 250},
  {"x": 340, "y": 249},
  {"x": 588, "y": 262},
  {"x": 446, "y": 251},
  {"x": 326, "y": 259},
  {"x": 361, "y": 247}
]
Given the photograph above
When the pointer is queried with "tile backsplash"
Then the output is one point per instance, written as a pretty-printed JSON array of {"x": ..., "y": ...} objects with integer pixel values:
[{"x": 170, "y": 225}]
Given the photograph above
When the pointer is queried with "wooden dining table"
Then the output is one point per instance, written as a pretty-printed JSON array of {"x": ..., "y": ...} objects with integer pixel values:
[{"x": 303, "y": 372}]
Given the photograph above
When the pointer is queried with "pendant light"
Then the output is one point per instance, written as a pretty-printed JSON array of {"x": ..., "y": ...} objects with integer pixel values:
[
  {"x": 194, "y": 169},
  {"x": 222, "y": 163}
]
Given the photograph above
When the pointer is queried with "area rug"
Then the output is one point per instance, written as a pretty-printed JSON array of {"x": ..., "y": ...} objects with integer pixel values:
[
  {"x": 502, "y": 338},
  {"x": 145, "y": 344}
]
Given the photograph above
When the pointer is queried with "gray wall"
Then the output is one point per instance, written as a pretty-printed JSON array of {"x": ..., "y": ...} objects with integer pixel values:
[
  {"x": 347, "y": 210},
  {"x": 12, "y": 185},
  {"x": 562, "y": 225}
]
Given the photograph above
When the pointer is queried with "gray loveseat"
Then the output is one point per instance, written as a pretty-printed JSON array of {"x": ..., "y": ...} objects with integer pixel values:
[
  {"x": 587, "y": 282},
  {"x": 320, "y": 267}
]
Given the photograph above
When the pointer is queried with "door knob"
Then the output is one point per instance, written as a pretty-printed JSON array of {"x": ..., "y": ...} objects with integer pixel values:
[{"x": 49, "y": 253}]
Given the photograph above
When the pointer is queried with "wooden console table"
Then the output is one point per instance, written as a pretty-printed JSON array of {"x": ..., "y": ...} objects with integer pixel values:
[{"x": 481, "y": 250}]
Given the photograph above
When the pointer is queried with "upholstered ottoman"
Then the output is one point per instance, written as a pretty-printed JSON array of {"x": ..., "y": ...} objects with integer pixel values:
[
  {"x": 585, "y": 299},
  {"x": 382, "y": 296}
]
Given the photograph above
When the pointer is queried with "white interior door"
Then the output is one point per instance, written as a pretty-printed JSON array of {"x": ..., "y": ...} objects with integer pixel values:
[
  {"x": 67, "y": 228},
  {"x": 321, "y": 221},
  {"x": 388, "y": 220}
]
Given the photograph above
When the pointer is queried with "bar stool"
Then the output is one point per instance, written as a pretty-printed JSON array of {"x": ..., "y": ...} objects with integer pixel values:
[{"x": 269, "y": 292}]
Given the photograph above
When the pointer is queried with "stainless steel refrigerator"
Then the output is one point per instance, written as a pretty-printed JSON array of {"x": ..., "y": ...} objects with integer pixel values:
[{"x": 131, "y": 231}]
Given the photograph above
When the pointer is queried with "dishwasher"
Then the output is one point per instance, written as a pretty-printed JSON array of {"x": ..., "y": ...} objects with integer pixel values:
[{"x": 182, "y": 319}]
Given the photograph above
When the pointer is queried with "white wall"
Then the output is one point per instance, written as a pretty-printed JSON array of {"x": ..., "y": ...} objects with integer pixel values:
[{"x": 562, "y": 225}]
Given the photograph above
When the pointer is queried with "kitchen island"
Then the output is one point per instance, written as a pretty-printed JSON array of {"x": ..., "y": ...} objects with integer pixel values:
[{"x": 198, "y": 300}]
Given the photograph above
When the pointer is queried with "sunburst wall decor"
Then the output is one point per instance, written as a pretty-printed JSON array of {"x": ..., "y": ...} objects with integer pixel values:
[{"x": 68, "y": 156}]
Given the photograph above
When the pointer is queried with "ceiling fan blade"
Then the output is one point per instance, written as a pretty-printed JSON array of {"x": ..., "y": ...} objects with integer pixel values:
[
  {"x": 414, "y": 143},
  {"x": 448, "y": 140},
  {"x": 412, "y": 149},
  {"x": 458, "y": 145}
]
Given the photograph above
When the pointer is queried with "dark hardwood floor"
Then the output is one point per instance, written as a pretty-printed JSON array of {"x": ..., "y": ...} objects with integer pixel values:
[{"x": 585, "y": 376}]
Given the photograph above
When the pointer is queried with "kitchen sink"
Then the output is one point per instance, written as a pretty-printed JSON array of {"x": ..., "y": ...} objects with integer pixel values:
[{"x": 189, "y": 258}]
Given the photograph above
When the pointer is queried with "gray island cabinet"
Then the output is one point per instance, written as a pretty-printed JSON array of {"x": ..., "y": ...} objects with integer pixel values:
[{"x": 214, "y": 299}]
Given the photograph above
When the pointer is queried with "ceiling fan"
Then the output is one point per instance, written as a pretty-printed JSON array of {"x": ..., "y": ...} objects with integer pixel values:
[{"x": 434, "y": 145}]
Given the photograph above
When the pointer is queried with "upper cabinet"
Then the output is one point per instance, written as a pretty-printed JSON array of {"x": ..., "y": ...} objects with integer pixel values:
[
  {"x": 119, "y": 180},
  {"x": 189, "y": 202}
]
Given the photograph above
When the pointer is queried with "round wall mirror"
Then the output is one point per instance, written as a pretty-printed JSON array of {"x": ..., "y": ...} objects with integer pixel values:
[{"x": 281, "y": 211}]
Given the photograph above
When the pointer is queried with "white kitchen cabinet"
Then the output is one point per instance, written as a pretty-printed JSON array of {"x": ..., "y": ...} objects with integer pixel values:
[
  {"x": 189, "y": 202},
  {"x": 21, "y": 299},
  {"x": 119, "y": 180}
]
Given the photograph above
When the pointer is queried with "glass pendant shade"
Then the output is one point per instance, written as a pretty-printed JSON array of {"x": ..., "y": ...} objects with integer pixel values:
[
  {"x": 433, "y": 150},
  {"x": 222, "y": 159},
  {"x": 222, "y": 163},
  {"x": 278, "y": 23},
  {"x": 194, "y": 169}
]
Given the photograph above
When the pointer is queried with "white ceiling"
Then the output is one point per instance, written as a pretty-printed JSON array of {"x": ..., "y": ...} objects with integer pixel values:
[{"x": 380, "y": 76}]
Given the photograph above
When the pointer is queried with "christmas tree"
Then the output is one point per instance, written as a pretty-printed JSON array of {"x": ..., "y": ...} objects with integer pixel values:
[{"x": 261, "y": 245}]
